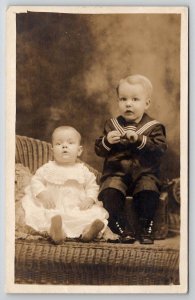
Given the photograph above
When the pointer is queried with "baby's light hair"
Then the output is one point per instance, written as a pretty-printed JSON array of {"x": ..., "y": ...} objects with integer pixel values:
[
  {"x": 65, "y": 127},
  {"x": 138, "y": 79}
]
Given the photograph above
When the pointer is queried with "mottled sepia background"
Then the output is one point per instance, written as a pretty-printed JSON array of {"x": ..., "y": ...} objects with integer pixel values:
[{"x": 68, "y": 67}]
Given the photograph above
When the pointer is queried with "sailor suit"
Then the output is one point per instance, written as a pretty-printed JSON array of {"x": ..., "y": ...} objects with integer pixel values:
[{"x": 132, "y": 167}]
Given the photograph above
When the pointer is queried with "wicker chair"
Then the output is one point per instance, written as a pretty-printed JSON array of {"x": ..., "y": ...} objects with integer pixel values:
[{"x": 97, "y": 263}]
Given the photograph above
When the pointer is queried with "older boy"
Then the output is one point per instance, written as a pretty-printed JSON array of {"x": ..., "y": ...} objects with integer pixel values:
[{"x": 132, "y": 145}]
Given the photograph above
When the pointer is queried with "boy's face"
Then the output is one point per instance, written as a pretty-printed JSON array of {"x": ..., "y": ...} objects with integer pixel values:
[
  {"x": 133, "y": 101},
  {"x": 66, "y": 146}
]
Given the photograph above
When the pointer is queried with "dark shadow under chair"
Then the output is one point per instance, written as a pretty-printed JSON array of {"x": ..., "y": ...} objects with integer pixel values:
[{"x": 37, "y": 261}]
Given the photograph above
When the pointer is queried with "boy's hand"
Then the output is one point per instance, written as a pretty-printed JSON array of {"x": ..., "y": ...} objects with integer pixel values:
[
  {"x": 45, "y": 198},
  {"x": 113, "y": 137},
  {"x": 89, "y": 202},
  {"x": 131, "y": 136}
]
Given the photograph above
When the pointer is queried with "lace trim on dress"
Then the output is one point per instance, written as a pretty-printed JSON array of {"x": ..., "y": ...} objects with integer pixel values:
[{"x": 57, "y": 174}]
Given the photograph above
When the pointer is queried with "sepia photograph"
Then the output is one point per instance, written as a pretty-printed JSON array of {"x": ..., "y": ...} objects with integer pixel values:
[{"x": 97, "y": 143}]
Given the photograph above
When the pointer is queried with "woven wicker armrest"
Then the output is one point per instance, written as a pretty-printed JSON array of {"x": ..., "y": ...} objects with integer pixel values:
[{"x": 32, "y": 153}]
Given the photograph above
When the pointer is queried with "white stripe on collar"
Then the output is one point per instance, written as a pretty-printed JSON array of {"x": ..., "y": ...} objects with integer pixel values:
[
  {"x": 146, "y": 126},
  {"x": 117, "y": 126},
  {"x": 141, "y": 130},
  {"x": 143, "y": 143},
  {"x": 130, "y": 127}
]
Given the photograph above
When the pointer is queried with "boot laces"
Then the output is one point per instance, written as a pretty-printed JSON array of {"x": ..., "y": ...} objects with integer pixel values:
[
  {"x": 119, "y": 228},
  {"x": 150, "y": 225}
]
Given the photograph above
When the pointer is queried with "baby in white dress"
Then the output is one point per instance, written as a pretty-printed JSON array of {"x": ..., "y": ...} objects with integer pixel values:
[{"x": 62, "y": 196}]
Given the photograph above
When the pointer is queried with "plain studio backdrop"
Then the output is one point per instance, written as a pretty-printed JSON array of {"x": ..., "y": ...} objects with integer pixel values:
[{"x": 68, "y": 67}]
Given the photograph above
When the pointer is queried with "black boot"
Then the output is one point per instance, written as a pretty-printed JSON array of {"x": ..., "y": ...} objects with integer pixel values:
[
  {"x": 146, "y": 231},
  {"x": 146, "y": 203},
  {"x": 125, "y": 237},
  {"x": 113, "y": 201}
]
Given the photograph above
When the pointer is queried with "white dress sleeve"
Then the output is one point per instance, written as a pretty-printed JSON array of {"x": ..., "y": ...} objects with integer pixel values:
[
  {"x": 38, "y": 183},
  {"x": 91, "y": 187}
]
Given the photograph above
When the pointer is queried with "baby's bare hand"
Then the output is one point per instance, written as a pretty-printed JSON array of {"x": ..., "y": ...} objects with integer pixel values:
[
  {"x": 113, "y": 137},
  {"x": 49, "y": 204},
  {"x": 88, "y": 203},
  {"x": 131, "y": 136},
  {"x": 46, "y": 200}
]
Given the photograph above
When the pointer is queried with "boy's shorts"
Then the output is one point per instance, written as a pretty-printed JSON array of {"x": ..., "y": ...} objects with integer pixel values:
[{"x": 127, "y": 187}]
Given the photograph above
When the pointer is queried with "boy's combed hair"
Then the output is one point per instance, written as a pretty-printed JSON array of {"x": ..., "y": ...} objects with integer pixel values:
[
  {"x": 66, "y": 127},
  {"x": 138, "y": 79}
]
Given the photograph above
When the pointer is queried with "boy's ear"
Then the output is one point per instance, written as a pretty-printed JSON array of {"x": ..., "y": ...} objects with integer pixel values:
[
  {"x": 80, "y": 151},
  {"x": 148, "y": 102}
]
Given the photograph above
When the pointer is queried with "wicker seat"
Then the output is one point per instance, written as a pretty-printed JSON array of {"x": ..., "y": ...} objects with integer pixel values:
[{"x": 97, "y": 263}]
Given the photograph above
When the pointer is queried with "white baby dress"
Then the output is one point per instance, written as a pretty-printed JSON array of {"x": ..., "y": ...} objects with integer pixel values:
[{"x": 69, "y": 186}]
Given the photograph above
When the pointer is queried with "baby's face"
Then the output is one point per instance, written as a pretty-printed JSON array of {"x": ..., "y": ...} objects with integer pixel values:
[
  {"x": 133, "y": 101},
  {"x": 66, "y": 146}
]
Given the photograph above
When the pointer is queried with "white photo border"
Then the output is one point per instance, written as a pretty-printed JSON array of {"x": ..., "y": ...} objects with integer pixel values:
[{"x": 11, "y": 287}]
